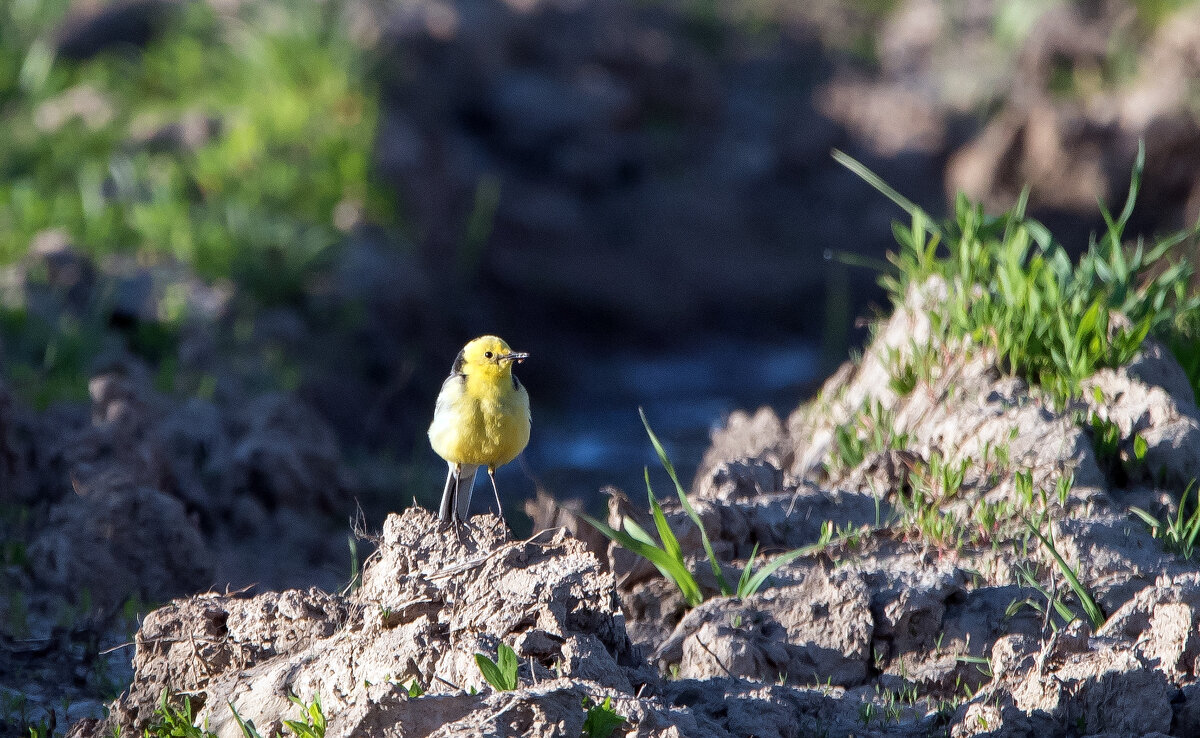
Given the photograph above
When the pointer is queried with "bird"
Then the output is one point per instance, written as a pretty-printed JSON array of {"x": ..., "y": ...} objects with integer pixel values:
[{"x": 481, "y": 418}]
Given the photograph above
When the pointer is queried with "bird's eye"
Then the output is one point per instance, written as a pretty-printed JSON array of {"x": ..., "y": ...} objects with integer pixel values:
[{"x": 487, "y": 354}]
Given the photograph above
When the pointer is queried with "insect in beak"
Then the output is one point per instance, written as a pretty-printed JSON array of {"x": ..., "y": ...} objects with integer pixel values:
[{"x": 515, "y": 356}]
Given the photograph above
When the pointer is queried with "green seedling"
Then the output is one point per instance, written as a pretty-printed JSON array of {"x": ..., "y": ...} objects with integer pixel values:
[
  {"x": 175, "y": 722},
  {"x": 1027, "y": 577},
  {"x": 666, "y": 553},
  {"x": 602, "y": 720},
  {"x": 1095, "y": 614},
  {"x": 1106, "y": 440},
  {"x": 751, "y": 581},
  {"x": 501, "y": 673},
  {"x": 870, "y": 431},
  {"x": 903, "y": 375},
  {"x": 312, "y": 718},
  {"x": 1178, "y": 534},
  {"x": 1062, "y": 488}
]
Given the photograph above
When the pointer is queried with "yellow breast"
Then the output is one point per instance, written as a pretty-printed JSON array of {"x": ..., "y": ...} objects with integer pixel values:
[{"x": 480, "y": 421}]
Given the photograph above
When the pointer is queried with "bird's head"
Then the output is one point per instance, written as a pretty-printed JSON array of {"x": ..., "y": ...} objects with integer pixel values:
[{"x": 487, "y": 356}]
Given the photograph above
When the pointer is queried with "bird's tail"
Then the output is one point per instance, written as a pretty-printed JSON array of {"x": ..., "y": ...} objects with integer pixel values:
[{"x": 456, "y": 497}]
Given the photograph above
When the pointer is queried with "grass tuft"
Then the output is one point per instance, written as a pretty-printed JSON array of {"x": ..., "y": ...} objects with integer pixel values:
[
  {"x": 667, "y": 555},
  {"x": 173, "y": 721},
  {"x": 261, "y": 196},
  {"x": 1093, "y": 610},
  {"x": 1014, "y": 289},
  {"x": 1178, "y": 534}
]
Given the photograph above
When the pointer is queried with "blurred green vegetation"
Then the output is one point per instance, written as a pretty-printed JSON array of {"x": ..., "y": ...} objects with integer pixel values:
[
  {"x": 239, "y": 145},
  {"x": 257, "y": 197},
  {"x": 47, "y": 361}
]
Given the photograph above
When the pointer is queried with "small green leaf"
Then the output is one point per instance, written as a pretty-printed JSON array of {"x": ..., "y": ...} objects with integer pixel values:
[
  {"x": 507, "y": 661},
  {"x": 491, "y": 672},
  {"x": 502, "y": 673},
  {"x": 602, "y": 720},
  {"x": 670, "y": 544}
]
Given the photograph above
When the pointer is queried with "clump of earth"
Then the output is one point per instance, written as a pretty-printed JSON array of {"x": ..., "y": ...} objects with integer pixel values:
[{"x": 959, "y": 623}]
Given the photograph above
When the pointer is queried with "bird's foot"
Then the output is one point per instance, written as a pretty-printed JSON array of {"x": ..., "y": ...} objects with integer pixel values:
[{"x": 457, "y": 526}]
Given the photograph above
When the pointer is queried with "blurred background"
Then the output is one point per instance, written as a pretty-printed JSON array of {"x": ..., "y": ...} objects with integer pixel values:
[{"x": 241, "y": 241}]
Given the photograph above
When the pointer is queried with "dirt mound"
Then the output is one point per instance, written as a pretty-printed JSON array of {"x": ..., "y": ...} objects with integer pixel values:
[
  {"x": 919, "y": 497},
  {"x": 945, "y": 514},
  {"x": 427, "y": 604},
  {"x": 205, "y": 471},
  {"x": 134, "y": 498}
]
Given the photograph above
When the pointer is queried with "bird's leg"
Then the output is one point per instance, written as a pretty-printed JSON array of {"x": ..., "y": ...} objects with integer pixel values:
[
  {"x": 457, "y": 491},
  {"x": 455, "y": 521},
  {"x": 499, "y": 509}
]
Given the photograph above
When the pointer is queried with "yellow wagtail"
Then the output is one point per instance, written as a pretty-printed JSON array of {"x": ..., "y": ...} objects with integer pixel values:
[{"x": 481, "y": 419}]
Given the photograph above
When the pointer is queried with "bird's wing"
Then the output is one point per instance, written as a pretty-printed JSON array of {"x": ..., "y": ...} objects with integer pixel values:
[{"x": 452, "y": 389}]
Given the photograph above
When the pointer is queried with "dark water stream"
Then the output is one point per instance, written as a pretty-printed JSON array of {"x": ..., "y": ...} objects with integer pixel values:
[{"x": 595, "y": 438}]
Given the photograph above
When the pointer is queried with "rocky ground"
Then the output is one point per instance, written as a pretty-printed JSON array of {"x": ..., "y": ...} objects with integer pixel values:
[
  {"x": 112, "y": 511},
  {"x": 226, "y": 457},
  {"x": 927, "y": 608}
]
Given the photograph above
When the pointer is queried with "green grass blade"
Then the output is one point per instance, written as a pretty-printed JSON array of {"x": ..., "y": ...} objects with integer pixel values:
[
  {"x": 1146, "y": 517},
  {"x": 849, "y": 258},
  {"x": 756, "y": 581},
  {"x": 247, "y": 726},
  {"x": 670, "y": 543},
  {"x": 1193, "y": 523},
  {"x": 687, "y": 506},
  {"x": 884, "y": 188},
  {"x": 1135, "y": 184},
  {"x": 1094, "y": 613},
  {"x": 747, "y": 572},
  {"x": 638, "y": 532},
  {"x": 673, "y": 569},
  {"x": 1061, "y": 608}
]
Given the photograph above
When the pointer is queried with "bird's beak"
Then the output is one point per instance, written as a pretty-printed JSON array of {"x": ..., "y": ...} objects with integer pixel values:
[{"x": 516, "y": 356}]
